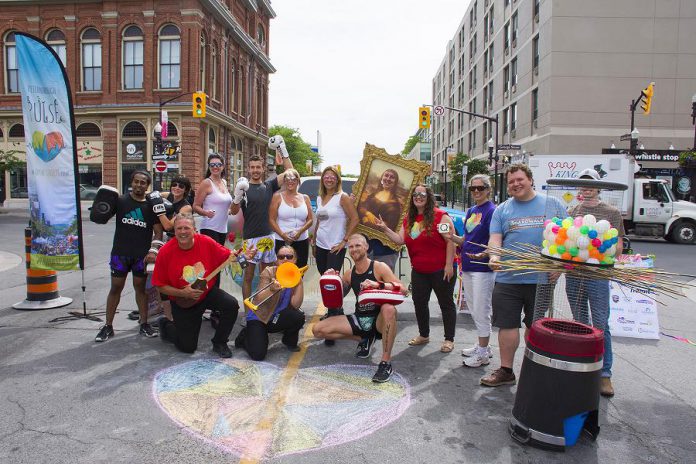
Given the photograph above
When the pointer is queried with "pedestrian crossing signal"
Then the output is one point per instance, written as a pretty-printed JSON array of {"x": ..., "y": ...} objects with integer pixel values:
[
  {"x": 198, "y": 109},
  {"x": 424, "y": 117},
  {"x": 646, "y": 97}
]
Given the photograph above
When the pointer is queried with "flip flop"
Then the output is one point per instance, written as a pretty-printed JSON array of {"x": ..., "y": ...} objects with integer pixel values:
[
  {"x": 447, "y": 346},
  {"x": 415, "y": 341}
]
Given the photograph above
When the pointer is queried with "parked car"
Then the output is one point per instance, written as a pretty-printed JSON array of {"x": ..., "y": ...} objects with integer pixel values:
[
  {"x": 19, "y": 192},
  {"x": 87, "y": 192}
]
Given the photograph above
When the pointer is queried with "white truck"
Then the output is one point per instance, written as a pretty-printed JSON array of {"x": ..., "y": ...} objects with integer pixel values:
[{"x": 649, "y": 207}]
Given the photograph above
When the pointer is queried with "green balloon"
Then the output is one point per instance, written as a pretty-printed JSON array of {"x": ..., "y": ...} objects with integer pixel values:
[
  {"x": 561, "y": 249},
  {"x": 584, "y": 230},
  {"x": 574, "y": 251}
]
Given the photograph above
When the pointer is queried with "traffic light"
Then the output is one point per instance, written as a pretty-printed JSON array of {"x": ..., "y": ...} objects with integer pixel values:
[
  {"x": 424, "y": 117},
  {"x": 646, "y": 97},
  {"x": 198, "y": 108}
]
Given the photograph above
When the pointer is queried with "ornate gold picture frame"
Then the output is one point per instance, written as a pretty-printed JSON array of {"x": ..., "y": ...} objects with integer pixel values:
[{"x": 384, "y": 190}]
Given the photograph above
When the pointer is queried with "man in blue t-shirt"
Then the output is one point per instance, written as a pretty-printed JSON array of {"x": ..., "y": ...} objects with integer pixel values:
[{"x": 518, "y": 220}]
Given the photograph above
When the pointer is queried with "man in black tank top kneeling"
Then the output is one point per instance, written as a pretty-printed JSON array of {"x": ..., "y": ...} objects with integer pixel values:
[{"x": 369, "y": 321}]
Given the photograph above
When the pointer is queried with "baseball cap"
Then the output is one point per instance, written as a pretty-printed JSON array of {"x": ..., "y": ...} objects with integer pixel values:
[{"x": 591, "y": 173}]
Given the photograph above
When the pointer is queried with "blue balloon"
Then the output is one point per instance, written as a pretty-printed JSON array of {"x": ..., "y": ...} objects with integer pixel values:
[{"x": 592, "y": 234}]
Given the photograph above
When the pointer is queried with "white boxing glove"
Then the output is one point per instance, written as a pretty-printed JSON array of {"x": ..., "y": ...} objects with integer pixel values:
[
  {"x": 240, "y": 189},
  {"x": 276, "y": 142}
]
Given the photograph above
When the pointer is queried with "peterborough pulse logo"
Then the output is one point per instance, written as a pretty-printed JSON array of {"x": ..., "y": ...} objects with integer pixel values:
[
  {"x": 135, "y": 218},
  {"x": 47, "y": 146}
]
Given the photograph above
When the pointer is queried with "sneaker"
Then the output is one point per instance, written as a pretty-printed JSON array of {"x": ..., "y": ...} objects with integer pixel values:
[
  {"x": 328, "y": 342},
  {"x": 478, "y": 359},
  {"x": 134, "y": 315},
  {"x": 365, "y": 346},
  {"x": 471, "y": 351},
  {"x": 605, "y": 387},
  {"x": 105, "y": 333},
  {"x": 147, "y": 330},
  {"x": 498, "y": 377},
  {"x": 384, "y": 371},
  {"x": 222, "y": 349}
]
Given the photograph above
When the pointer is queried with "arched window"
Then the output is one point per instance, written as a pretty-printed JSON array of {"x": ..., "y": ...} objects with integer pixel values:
[
  {"x": 132, "y": 58},
  {"x": 169, "y": 57},
  {"x": 88, "y": 129},
  {"x": 91, "y": 60},
  {"x": 233, "y": 84},
  {"x": 11, "y": 68},
  {"x": 236, "y": 160},
  {"x": 134, "y": 129},
  {"x": 242, "y": 93},
  {"x": 213, "y": 69},
  {"x": 212, "y": 141},
  {"x": 133, "y": 151},
  {"x": 261, "y": 35},
  {"x": 201, "y": 62},
  {"x": 172, "y": 131},
  {"x": 16, "y": 131},
  {"x": 56, "y": 39}
]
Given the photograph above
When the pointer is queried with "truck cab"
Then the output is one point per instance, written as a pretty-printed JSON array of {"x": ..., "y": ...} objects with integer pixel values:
[{"x": 657, "y": 213}]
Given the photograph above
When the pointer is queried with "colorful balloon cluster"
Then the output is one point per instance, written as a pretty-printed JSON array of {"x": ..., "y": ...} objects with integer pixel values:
[{"x": 583, "y": 239}]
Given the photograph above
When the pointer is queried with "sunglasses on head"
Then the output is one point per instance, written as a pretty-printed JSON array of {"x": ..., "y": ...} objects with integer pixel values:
[
  {"x": 477, "y": 188},
  {"x": 215, "y": 165},
  {"x": 420, "y": 195},
  {"x": 281, "y": 257}
]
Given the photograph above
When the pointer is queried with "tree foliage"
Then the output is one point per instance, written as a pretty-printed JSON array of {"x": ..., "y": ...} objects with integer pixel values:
[
  {"x": 299, "y": 150},
  {"x": 474, "y": 166},
  {"x": 9, "y": 160},
  {"x": 410, "y": 143}
]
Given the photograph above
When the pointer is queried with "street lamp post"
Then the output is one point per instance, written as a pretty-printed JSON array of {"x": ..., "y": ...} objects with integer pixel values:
[
  {"x": 158, "y": 152},
  {"x": 693, "y": 117},
  {"x": 493, "y": 158},
  {"x": 443, "y": 170}
]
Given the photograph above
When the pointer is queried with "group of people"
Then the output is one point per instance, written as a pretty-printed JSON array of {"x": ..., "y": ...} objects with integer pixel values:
[{"x": 277, "y": 223}]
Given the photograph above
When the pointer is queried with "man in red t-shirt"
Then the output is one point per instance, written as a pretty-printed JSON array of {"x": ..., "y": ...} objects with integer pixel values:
[{"x": 179, "y": 264}]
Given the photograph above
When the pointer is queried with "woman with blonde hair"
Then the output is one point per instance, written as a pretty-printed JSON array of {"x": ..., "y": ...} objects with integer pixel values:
[{"x": 290, "y": 217}]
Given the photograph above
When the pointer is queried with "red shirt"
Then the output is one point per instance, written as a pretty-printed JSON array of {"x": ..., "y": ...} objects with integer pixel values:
[
  {"x": 178, "y": 268},
  {"x": 427, "y": 249}
]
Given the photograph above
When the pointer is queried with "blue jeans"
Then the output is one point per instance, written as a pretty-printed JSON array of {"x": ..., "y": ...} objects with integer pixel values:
[{"x": 596, "y": 292}]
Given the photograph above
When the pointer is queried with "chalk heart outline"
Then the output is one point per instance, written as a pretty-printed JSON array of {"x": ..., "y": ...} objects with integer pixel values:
[{"x": 234, "y": 405}]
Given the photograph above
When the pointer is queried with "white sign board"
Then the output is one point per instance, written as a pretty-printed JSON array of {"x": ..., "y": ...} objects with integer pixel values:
[
  {"x": 632, "y": 313},
  {"x": 439, "y": 110}
]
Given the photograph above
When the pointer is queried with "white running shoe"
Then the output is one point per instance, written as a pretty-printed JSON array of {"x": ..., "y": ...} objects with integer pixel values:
[
  {"x": 478, "y": 359},
  {"x": 470, "y": 351}
]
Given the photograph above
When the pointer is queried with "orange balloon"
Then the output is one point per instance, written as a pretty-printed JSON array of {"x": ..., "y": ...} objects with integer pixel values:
[
  {"x": 577, "y": 259},
  {"x": 600, "y": 257},
  {"x": 594, "y": 253},
  {"x": 566, "y": 256},
  {"x": 562, "y": 233},
  {"x": 559, "y": 240}
]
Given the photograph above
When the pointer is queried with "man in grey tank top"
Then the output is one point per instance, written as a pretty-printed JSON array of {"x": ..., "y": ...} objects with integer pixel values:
[{"x": 253, "y": 198}]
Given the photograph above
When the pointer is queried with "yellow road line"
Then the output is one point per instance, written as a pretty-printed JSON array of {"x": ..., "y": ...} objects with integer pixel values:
[{"x": 276, "y": 402}]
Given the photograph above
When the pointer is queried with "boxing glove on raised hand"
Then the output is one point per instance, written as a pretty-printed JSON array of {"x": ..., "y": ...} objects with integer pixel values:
[
  {"x": 104, "y": 205},
  {"x": 276, "y": 142},
  {"x": 240, "y": 189},
  {"x": 156, "y": 202}
]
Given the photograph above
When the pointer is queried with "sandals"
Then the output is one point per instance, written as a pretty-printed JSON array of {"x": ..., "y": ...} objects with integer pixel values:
[
  {"x": 418, "y": 340},
  {"x": 447, "y": 346}
]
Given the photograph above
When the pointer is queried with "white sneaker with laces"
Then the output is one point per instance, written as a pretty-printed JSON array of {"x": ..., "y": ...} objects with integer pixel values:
[
  {"x": 479, "y": 358},
  {"x": 470, "y": 351}
]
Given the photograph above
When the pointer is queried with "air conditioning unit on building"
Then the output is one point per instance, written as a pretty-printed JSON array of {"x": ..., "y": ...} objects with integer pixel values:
[
  {"x": 514, "y": 88},
  {"x": 514, "y": 42},
  {"x": 507, "y": 51},
  {"x": 505, "y": 94},
  {"x": 536, "y": 18},
  {"x": 513, "y": 133}
]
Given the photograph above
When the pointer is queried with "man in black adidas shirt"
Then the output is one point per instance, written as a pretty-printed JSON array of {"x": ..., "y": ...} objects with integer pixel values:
[
  {"x": 369, "y": 321},
  {"x": 135, "y": 223}
]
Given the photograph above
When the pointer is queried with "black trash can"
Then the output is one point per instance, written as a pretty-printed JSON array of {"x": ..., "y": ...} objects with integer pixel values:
[{"x": 558, "y": 389}]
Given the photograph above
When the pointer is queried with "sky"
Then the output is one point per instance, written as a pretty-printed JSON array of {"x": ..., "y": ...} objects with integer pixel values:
[{"x": 356, "y": 71}]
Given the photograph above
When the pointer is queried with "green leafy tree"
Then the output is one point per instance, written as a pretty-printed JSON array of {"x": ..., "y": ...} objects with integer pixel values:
[
  {"x": 474, "y": 166},
  {"x": 410, "y": 143},
  {"x": 299, "y": 150},
  {"x": 9, "y": 160}
]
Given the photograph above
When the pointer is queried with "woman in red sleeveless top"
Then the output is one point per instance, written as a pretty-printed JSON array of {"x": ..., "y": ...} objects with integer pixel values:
[{"x": 432, "y": 262}]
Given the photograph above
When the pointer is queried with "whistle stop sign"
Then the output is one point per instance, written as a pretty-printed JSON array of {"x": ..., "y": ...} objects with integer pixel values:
[{"x": 161, "y": 166}]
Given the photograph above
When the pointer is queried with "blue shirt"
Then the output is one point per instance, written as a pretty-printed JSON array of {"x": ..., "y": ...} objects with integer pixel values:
[
  {"x": 523, "y": 222},
  {"x": 476, "y": 230}
]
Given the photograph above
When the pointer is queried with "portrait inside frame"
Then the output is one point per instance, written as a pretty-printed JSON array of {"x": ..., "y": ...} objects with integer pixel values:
[{"x": 384, "y": 189}]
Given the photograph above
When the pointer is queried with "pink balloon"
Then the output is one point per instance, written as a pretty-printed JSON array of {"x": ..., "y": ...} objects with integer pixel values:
[
  {"x": 547, "y": 222},
  {"x": 577, "y": 222},
  {"x": 555, "y": 229},
  {"x": 596, "y": 242}
]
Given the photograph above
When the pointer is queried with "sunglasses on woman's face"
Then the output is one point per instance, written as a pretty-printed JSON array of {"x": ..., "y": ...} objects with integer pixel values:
[
  {"x": 215, "y": 165},
  {"x": 283, "y": 257},
  {"x": 477, "y": 188},
  {"x": 178, "y": 184},
  {"x": 420, "y": 195}
]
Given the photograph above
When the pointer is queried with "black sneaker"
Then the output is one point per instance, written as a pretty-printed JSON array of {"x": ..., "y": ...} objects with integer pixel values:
[
  {"x": 222, "y": 349},
  {"x": 328, "y": 342},
  {"x": 384, "y": 371},
  {"x": 365, "y": 347},
  {"x": 105, "y": 333},
  {"x": 134, "y": 315},
  {"x": 147, "y": 330}
]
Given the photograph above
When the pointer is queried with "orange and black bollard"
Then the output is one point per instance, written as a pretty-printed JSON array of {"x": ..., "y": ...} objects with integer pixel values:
[{"x": 42, "y": 286}]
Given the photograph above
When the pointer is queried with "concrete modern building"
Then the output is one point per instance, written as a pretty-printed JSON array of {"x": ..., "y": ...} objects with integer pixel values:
[
  {"x": 560, "y": 76},
  {"x": 123, "y": 58}
]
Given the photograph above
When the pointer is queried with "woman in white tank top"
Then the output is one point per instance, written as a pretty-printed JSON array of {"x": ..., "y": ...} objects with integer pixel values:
[
  {"x": 290, "y": 216},
  {"x": 336, "y": 220},
  {"x": 213, "y": 200}
]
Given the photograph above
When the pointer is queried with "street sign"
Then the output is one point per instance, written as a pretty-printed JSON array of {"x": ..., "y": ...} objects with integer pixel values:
[
  {"x": 439, "y": 110},
  {"x": 509, "y": 147},
  {"x": 625, "y": 137},
  {"x": 161, "y": 166}
]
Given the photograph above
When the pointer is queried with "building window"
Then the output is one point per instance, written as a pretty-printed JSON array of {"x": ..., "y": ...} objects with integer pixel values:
[
  {"x": 506, "y": 115},
  {"x": 490, "y": 58},
  {"x": 17, "y": 132},
  {"x": 132, "y": 58},
  {"x": 490, "y": 22},
  {"x": 91, "y": 60},
  {"x": 90, "y": 155},
  {"x": 536, "y": 10},
  {"x": 514, "y": 22},
  {"x": 133, "y": 152},
  {"x": 56, "y": 39},
  {"x": 490, "y": 95},
  {"x": 11, "y": 68},
  {"x": 474, "y": 74},
  {"x": 169, "y": 57},
  {"x": 88, "y": 129},
  {"x": 201, "y": 63},
  {"x": 213, "y": 69},
  {"x": 261, "y": 35},
  {"x": 506, "y": 79},
  {"x": 535, "y": 53},
  {"x": 513, "y": 116},
  {"x": 506, "y": 37},
  {"x": 485, "y": 63},
  {"x": 259, "y": 104},
  {"x": 535, "y": 105},
  {"x": 513, "y": 72},
  {"x": 212, "y": 141},
  {"x": 235, "y": 87}
]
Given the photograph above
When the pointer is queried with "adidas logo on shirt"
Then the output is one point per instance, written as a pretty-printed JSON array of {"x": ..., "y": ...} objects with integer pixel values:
[{"x": 135, "y": 218}]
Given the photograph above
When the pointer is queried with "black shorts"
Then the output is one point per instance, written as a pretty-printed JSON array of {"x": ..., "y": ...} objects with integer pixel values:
[
  {"x": 121, "y": 265},
  {"x": 509, "y": 302},
  {"x": 364, "y": 326}
]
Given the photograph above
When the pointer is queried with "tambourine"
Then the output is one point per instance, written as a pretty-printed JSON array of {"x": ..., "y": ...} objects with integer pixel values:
[{"x": 380, "y": 297}]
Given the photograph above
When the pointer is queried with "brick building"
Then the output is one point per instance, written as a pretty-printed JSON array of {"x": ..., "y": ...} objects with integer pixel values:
[{"x": 125, "y": 57}]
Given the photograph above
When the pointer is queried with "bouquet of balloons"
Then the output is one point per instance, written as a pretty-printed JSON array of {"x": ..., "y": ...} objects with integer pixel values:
[{"x": 583, "y": 239}]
